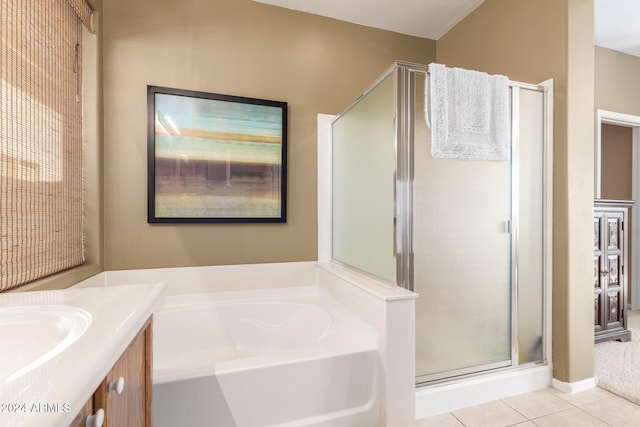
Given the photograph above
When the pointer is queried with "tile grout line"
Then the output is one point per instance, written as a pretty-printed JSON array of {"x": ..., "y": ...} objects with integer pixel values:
[
  {"x": 572, "y": 406},
  {"x": 514, "y": 409},
  {"x": 457, "y": 419},
  {"x": 595, "y": 416}
]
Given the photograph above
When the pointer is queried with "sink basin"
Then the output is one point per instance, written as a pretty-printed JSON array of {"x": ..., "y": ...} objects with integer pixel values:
[{"x": 33, "y": 335}]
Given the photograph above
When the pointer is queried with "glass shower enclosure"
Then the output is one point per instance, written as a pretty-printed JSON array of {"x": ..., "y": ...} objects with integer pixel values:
[{"x": 469, "y": 237}]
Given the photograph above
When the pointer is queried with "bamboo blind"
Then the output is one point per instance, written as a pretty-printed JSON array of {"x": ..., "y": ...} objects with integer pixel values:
[
  {"x": 40, "y": 140},
  {"x": 83, "y": 11}
]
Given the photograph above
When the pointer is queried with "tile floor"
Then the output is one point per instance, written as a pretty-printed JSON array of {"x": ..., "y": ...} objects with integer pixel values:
[{"x": 545, "y": 408}]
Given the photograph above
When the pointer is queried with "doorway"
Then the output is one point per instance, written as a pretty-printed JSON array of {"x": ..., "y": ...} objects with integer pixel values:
[{"x": 617, "y": 163}]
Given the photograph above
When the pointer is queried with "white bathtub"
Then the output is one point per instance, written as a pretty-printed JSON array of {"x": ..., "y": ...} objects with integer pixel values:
[{"x": 286, "y": 357}]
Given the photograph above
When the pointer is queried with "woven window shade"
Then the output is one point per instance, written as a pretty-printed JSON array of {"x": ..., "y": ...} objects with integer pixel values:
[
  {"x": 83, "y": 11},
  {"x": 40, "y": 140}
]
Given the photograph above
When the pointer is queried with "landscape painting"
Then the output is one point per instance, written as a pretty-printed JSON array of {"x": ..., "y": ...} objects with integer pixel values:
[{"x": 215, "y": 158}]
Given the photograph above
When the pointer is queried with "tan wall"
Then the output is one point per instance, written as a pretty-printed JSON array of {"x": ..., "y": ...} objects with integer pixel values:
[
  {"x": 532, "y": 42},
  {"x": 616, "y": 155},
  {"x": 616, "y": 176},
  {"x": 518, "y": 39},
  {"x": 617, "y": 81},
  {"x": 236, "y": 47},
  {"x": 573, "y": 301}
]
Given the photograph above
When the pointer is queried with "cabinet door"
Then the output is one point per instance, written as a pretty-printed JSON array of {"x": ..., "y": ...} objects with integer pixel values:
[
  {"x": 132, "y": 406},
  {"x": 614, "y": 269},
  {"x": 598, "y": 279},
  {"x": 87, "y": 410}
]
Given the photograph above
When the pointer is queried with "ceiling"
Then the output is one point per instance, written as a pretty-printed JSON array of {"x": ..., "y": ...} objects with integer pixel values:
[
  {"x": 618, "y": 25},
  {"x": 617, "y": 22},
  {"x": 423, "y": 18}
]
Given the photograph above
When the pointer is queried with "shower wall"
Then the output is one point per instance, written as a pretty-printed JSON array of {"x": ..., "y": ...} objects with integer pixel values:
[{"x": 364, "y": 183}]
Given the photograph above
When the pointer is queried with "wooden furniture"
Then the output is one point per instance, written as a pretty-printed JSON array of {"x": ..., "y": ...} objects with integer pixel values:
[
  {"x": 609, "y": 275},
  {"x": 125, "y": 394}
]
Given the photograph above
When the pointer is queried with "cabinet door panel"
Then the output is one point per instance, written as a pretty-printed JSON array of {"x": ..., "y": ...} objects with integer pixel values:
[
  {"x": 127, "y": 409},
  {"x": 597, "y": 312},
  {"x": 87, "y": 410},
  {"x": 614, "y": 310},
  {"x": 614, "y": 235},
  {"x": 614, "y": 272}
]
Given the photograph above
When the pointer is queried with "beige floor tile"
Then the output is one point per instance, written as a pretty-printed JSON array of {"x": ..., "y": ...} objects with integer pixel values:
[
  {"x": 591, "y": 408},
  {"x": 615, "y": 411},
  {"x": 537, "y": 404},
  {"x": 583, "y": 397},
  {"x": 492, "y": 414},
  {"x": 573, "y": 417},
  {"x": 444, "y": 420}
]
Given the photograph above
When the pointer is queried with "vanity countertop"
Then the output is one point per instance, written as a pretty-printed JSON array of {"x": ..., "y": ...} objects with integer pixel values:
[{"x": 54, "y": 392}]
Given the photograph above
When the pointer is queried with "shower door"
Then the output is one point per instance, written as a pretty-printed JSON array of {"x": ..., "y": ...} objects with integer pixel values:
[
  {"x": 462, "y": 259},
  {"x": 469, "y": 250}
]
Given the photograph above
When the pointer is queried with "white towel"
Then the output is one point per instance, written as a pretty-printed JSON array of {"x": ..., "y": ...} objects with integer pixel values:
[{"x": 469, "y": 114}]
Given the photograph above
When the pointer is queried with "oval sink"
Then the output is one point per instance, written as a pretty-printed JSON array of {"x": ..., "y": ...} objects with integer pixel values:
[{"x": 33, "y": 335}]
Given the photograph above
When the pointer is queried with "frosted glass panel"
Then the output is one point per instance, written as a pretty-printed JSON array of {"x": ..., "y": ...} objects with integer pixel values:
[
  {"x": 462, "y": 259},
  {"x": 530, "y": 226},
  {"x": 364, "y": 164}
]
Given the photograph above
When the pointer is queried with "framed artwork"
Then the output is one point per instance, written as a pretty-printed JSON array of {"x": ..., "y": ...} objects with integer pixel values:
[{"x": 215, "y": 158}]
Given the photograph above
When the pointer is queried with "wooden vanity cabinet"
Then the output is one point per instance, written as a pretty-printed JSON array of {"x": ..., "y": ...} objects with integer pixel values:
[
  {"x": 127, "y": 405},
  {"x": 86, "y": 411}
]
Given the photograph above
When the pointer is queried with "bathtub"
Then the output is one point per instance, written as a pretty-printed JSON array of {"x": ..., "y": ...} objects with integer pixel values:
[{"x": 274, "y": 357}]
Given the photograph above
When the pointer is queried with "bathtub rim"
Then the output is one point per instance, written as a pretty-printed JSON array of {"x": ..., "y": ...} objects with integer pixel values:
[{"x": 363, "y": 338}]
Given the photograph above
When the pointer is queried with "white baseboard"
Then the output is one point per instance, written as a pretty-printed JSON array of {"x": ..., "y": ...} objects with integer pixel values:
[
  {"x": 438, "y": 399},
  {"x": 572, "y": 388}
]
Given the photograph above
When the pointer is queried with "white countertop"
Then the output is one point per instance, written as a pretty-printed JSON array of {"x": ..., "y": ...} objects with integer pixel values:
[{"x": 53, "y": 393}]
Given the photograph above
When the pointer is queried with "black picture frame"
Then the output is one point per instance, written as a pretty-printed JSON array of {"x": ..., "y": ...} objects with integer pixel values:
[{"x": 215, "y": 158}]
